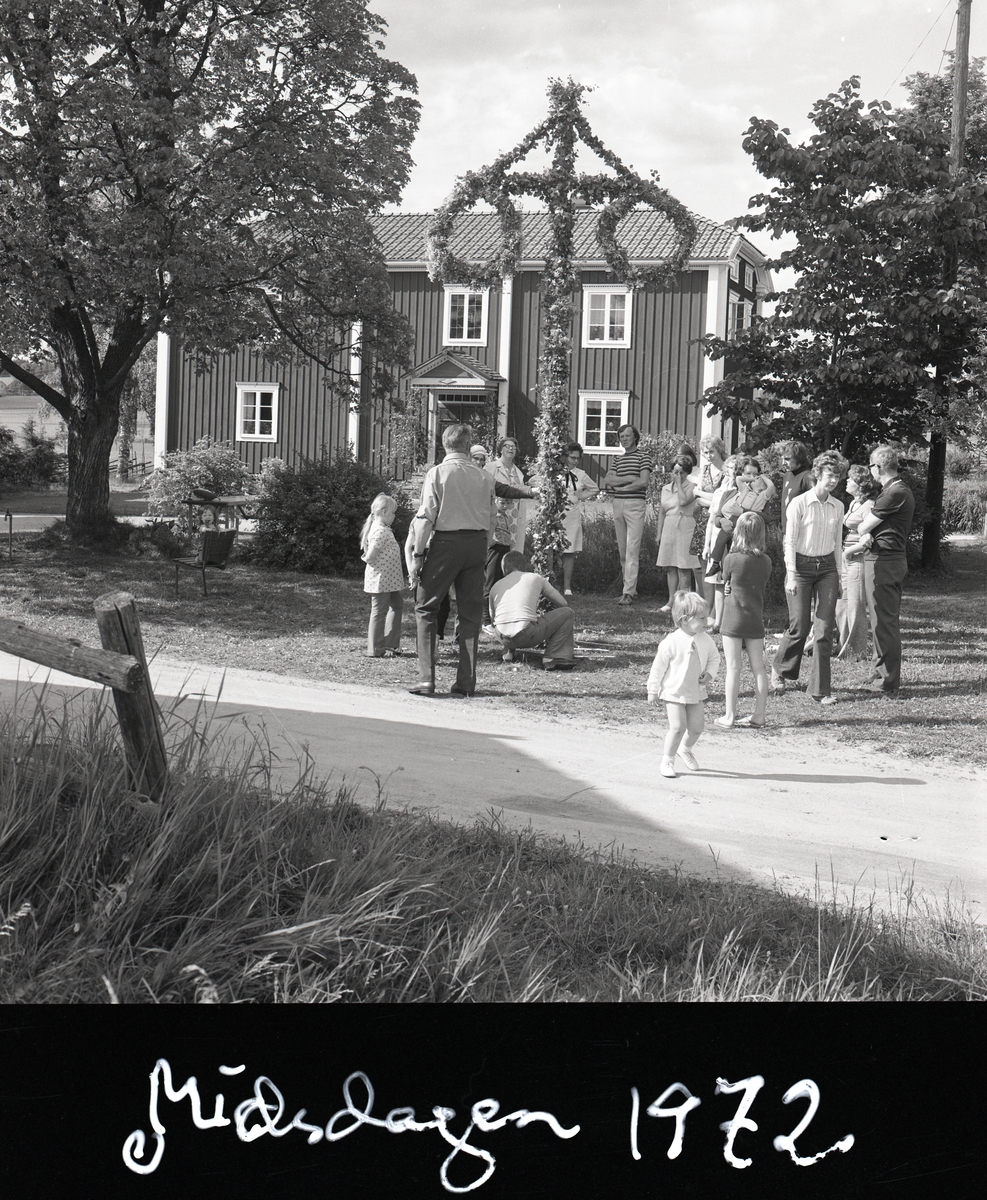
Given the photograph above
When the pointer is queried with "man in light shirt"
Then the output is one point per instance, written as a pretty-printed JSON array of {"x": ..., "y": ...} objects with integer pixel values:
[
  {"x": 813, "y": 530},
  {"x": 448, "y": 547},
  {"x": 514, "y": 611}
]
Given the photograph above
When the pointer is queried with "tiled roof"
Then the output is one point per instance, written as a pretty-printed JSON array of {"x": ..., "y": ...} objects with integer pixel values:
[
  {"x": 463, "y": 359},
  {"x": 646, "y": 235}
]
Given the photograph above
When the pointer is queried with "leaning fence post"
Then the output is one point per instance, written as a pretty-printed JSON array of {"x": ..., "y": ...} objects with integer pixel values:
[{"x": 137, "y": 712}]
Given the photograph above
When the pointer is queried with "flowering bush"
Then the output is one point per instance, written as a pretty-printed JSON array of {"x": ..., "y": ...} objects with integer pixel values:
[{"x": 213, "y": 466}]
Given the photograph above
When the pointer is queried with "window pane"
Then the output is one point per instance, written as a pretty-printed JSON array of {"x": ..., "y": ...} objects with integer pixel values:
[
  {"x": 266, "y": 422},
  {"x": 250, "y": 412},
  {"x": 474, "y": 326},
  {"x": 597, "y": 316},
  {"x": 617, "y": 309},
  {"x": 457, "y": 315},
  {"x": 614, "y": 422}
]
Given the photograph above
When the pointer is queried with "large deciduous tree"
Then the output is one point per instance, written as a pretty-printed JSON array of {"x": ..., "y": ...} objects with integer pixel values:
[
  {"x": 200, "y": 167},
  {"x": 846, "y": 355}
]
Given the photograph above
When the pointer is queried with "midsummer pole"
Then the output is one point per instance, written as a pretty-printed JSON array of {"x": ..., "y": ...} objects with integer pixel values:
[{"x": 561, "y": 188}]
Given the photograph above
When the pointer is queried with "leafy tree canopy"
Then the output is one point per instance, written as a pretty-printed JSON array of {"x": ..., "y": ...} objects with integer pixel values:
[
  {"x": 875, "y": 210},
  {"x": 195, "y": 166}
]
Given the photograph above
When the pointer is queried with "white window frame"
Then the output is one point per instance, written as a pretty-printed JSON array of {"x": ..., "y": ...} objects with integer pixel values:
[
  {"x": 608, "y": 289},
  {"x": 453, "y": 289},
  {"x": 746, "y": 309},
  {"x": 621, "y": 398},
  {"x": 249, "y": 386}
]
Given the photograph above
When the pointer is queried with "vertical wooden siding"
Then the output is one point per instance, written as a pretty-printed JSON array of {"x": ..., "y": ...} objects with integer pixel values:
[
  {"x": 310, "y": 416},
  {"x": 663, "y": 368}
]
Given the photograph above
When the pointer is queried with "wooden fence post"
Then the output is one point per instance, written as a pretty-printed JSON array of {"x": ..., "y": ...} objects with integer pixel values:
[{"x": 137, "y": 711}]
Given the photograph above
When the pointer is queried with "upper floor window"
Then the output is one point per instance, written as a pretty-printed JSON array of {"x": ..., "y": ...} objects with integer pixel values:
[
  {"x": 607, "y": 315},
  {"x": 257, "y": 412},
  {"x": 465, "y": 318},
  {"x": 739, "y": 317},
  {"x": 601, "y": 414}
]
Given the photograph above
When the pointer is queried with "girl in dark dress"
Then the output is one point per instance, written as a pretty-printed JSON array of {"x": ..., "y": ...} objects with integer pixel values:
[{"x": 745, "y": 575}]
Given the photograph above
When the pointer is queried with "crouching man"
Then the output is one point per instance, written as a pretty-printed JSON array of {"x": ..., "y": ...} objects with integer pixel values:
[{"x": 514, "y": 612}]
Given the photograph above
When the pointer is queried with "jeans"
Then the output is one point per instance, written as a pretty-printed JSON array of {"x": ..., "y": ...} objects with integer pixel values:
[
  {"x": 816, "y": 579},
  {"x": 884, "y": 575},
  {"x": 628, "y": 523},
  {"x": 384, "y": 632}
]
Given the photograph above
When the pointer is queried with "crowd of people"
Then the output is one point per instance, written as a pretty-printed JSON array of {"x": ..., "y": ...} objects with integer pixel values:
[{"x": 843, "y": 569}]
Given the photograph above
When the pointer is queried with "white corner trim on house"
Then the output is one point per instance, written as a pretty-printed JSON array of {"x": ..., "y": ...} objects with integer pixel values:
[
  {"x": 356, "y": 374},
  {"x": 504, "y": 353},
  {"x": 717, "y": 289},
  {"x": 161, "y": 396}
]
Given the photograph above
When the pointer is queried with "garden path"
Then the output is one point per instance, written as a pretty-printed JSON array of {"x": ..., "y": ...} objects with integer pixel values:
[{"x": 814, "y": 816}]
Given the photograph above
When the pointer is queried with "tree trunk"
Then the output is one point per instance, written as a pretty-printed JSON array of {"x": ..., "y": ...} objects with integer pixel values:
[
  {"x": 935, "y": 486},
  {"x": 91, "y": 432}
]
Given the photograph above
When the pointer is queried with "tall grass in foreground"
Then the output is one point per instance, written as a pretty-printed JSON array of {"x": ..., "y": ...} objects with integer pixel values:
[{"x": 236, "y": 890}]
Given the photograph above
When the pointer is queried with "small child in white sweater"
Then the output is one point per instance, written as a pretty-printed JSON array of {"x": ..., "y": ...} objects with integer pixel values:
[{"x": 687, "y": 660}]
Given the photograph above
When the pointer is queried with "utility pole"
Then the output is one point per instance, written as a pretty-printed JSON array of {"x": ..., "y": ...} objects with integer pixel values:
[{"x": 949, "y": 361}]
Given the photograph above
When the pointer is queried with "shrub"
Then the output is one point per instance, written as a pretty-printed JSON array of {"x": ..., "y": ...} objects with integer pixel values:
[
  {"x": 964, "y": 506},
  {"x": 213, "y": 466},
  {"x": 309, "y": 519},
  {"x": 38, "y": 464}
]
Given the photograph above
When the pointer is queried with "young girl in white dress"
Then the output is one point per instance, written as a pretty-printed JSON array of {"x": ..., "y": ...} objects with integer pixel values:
[{"x": 383, "y": 578}]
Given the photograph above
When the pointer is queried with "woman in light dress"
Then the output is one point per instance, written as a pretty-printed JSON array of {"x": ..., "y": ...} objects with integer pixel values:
[
  {"x": 852, "y": 619},
  {"x": 579, "y": 487},
  {"x": 714, "y": 453},
  {"x": 676, "y": 525}
]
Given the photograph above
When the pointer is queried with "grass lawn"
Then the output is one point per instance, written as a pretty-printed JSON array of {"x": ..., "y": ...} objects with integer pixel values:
[
  {"x": 315, "y": 627},
  {"x": 235, "y": 893}
]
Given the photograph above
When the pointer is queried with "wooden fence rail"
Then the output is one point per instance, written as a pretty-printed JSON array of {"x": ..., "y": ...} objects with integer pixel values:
[{"x": 122, "y": 666}]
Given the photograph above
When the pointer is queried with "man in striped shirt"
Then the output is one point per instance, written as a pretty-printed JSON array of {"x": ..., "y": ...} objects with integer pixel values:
[
  {"x": 813, "y": 530},
  {"x": 627, "y": 481}
]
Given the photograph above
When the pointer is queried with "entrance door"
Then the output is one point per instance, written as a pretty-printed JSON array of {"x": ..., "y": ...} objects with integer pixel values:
[{"x": 476, "y": 409}]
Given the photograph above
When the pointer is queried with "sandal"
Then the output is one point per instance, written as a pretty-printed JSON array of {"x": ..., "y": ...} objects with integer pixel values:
[
  {"x": 724, "y": 722},
  {"x": 750, "y": 723}
]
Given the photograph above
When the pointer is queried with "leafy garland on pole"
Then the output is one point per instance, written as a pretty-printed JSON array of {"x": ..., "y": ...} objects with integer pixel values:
[{"x": 562, "y": 189}]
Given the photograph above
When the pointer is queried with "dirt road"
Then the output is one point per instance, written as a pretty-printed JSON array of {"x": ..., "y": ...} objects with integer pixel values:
[{"x": 815, "y": 815}]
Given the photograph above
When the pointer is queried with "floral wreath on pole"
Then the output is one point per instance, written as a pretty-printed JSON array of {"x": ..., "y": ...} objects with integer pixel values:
[{"x": 562, "y": 189}]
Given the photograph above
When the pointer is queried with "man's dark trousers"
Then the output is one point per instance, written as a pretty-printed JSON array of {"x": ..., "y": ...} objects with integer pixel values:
[
  {"x": 884, "y": 575},
  {"x": 455, "y": 557}
]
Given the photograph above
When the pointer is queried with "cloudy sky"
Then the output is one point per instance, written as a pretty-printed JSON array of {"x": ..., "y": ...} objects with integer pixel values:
[{"x": 676, "y": 80}]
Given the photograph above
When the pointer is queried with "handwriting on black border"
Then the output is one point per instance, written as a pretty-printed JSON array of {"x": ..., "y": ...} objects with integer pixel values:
[{"x": 263, "y": 1114}]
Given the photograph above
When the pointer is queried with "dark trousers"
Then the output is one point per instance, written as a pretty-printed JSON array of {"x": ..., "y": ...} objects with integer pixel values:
[
  {"x": 817, "y": 580},
  {"x": 491, "y": 573},
  {"x": 884, "y": 575},
  {"x": 554, "y": 628},
  {"x": 453, "y": 558}
]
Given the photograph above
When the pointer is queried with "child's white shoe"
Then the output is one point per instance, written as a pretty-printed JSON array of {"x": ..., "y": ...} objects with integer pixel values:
[
  {"x": 668, "y": 769},
  {"x": 689, "y": 759}
]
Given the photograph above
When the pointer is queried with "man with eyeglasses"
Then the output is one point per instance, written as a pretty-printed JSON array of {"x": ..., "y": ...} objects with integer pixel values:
[{"x": 884, "y": 533}]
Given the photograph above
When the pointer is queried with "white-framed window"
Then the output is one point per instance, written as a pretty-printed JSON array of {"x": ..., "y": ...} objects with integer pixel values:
[
  {"x": 257, "y": 412},
  {"x": 464, "y": 321},
  {"x": 601, "y": 414},
  {"x": 739, "y": 317},
  {"x": 607, "y": 315}
]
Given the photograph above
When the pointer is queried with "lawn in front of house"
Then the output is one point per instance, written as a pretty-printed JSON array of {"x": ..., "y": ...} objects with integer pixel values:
[{"x": 315, "y": 627}]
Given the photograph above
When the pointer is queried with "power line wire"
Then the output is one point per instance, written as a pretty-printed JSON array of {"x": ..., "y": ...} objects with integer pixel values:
[{"x": 919, "y": 47}]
